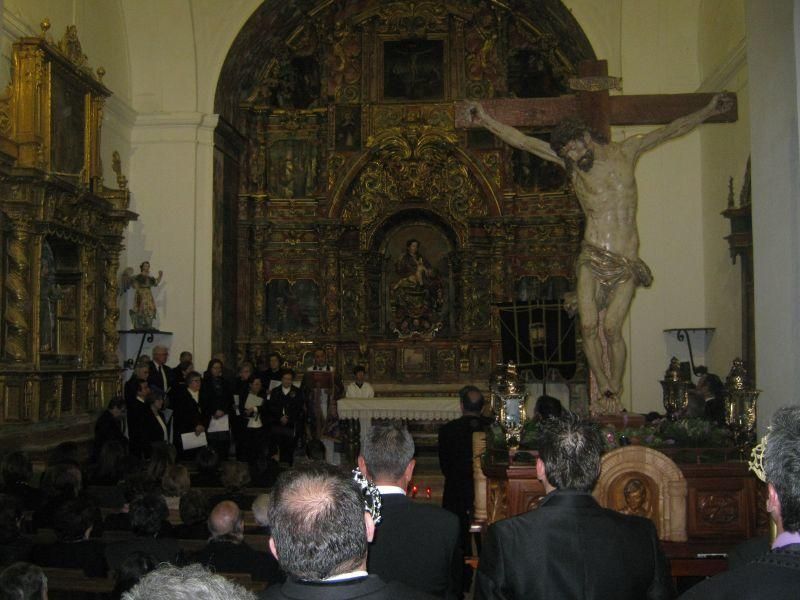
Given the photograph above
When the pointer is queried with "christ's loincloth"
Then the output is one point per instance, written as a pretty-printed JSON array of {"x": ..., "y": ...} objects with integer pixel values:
[{"x": 610, "y": 270}]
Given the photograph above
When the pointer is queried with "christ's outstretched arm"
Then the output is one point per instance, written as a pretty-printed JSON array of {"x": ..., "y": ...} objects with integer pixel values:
[
  {"x": 636, "y": 145},
  {"x": 512, "y": 136}
]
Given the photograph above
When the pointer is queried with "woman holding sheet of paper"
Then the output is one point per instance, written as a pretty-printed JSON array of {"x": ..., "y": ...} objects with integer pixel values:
[{"x": 216, "y": 402}]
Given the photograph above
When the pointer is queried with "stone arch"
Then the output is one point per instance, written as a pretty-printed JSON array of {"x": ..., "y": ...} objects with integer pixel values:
[{"x": 642, "y": 481}]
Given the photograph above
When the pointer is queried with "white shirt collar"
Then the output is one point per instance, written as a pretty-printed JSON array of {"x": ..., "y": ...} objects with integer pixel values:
[
  {"x": 391, "y": 489},
  {"x": 286, "y": 390},
  {"x": 350, "y": 575}
]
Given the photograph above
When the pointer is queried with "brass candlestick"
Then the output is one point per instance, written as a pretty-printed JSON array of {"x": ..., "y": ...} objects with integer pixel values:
[
  {"x": 740, "y": 406},
  {"x": 675, "y": 390}
]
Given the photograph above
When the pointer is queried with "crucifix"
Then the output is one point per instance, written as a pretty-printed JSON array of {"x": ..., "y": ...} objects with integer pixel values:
[{"x": 602, "y": 174}]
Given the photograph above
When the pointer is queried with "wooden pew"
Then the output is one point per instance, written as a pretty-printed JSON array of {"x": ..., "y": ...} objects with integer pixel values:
[{"x": 74, "y": 580}]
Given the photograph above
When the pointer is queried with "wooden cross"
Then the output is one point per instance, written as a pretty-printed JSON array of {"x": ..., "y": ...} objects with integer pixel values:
[{"x": 596, "y": 108}]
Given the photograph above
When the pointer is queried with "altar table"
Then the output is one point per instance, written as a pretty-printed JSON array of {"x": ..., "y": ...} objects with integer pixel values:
[{"x": 409, "y": 408}]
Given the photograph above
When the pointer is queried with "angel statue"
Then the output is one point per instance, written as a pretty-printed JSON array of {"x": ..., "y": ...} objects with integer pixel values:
[{"x": 144, "y": 307}]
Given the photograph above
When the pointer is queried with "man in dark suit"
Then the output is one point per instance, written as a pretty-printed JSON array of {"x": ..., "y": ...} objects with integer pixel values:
[
  {"x": 187, "y": 416},
  {"x": 455, "y": 459},
  {"x": 160, "y": 375},
  {"x": 137, "y": 411},
  {"x": 226, "y": 551},
  {"x": 320, "y": 535},
  {"x": 110, "y": 425},
  {"x": 775, "y": 574},
  {"x": 571, "y": 547},
  {"x": 416, "y": 544}
]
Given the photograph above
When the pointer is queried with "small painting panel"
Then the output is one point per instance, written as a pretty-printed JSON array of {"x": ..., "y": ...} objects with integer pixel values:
[
  {"x": 292, "y": 307},
  {"x": 413, "y": 70},
  {"x": 416, "y": 360},
  {"x": 348, "y": 128},
  {"x": 67, "y": 126},
  {"x": 294, "y": 166}
]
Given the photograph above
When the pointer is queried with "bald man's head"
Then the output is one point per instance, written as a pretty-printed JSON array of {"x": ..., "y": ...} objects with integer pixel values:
[{"x": 225, "y": 522}]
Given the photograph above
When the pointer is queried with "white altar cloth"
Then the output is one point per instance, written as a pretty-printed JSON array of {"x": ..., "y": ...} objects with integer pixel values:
[{"x": 410, "y": 408}]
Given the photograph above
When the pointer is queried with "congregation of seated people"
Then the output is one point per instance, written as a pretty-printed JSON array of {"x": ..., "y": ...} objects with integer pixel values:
[{"x": 162, "y": 521}]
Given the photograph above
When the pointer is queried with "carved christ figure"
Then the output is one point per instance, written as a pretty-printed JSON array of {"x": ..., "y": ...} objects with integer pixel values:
[{"x": 608, "y": 267}]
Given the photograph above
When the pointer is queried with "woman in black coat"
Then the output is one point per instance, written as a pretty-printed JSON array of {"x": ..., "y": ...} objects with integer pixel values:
[
  {"x": 216, "y": 401},
  {"x": 154, "y": 427}
]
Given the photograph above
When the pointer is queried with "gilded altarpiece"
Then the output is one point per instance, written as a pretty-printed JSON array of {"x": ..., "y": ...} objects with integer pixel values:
[
  {"x": 61, "y": 239},
  {"x": 368, "y": 222}
]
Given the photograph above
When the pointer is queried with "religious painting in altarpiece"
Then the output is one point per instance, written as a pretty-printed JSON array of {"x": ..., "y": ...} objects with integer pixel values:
[
  {"x": 357, "y": 188},
  {"x": 60, "y": 235}
]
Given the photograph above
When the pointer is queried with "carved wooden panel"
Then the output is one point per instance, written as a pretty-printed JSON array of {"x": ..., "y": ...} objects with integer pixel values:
[{"x": 721, "y": 507}]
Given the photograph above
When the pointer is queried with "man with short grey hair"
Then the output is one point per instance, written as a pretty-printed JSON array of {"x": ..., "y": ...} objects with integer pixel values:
[
  {"x": 416, "y": 543},
  {"x": 23, "y": 581},
  {"x": 320, "y": 536},
  {"x": 161, "y": 375},
  {"x": 776, "y": 574},
  {"x": 186, "y": 583}
]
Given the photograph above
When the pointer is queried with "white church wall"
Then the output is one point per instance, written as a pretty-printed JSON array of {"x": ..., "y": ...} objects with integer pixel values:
[
  {"x": 178, "y": 48},
  {"x": 723, "y": 63},
  {"x": 773, "y": 33}
]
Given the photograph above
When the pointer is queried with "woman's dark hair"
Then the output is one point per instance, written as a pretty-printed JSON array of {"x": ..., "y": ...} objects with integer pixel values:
[
  {"x": 193, "y": 375},
  {"x": 116, "y": 402},
  {"x": 147, "y": 513},
  {"x": 207, "y": 460},
  {"x": 235, "y": 476},
  {"x": 62, "y": 480},
  {"x": 131, "y": 570},
  {"x": 73, "y": 518},
  {"x": 287, "y": 372},
  {"x": 193, "y": 507},
  {"x": 411, "y": 241},
  {"x": 211, "y": 363},
  {"x": 111, "y": 463},
  {"x": 17, "y": 468},
  {"x": 163, "y": 456},
  {"x": 359, "y": 369},
  {"x": 276, "y": 355}
]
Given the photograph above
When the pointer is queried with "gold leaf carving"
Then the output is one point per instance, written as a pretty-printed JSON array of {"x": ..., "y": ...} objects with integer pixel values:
[{"x": 414, "y": 165}]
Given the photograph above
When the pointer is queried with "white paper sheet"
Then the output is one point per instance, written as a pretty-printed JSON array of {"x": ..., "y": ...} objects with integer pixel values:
[
  {"x": 191, "y": 440},
  {"x": 220, "y": 424}
]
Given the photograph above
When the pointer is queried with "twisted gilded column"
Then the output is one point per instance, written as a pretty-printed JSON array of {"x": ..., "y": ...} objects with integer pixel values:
[
  {"x": 111, "y": 307},
  {"x": 17, "y": 318}
]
